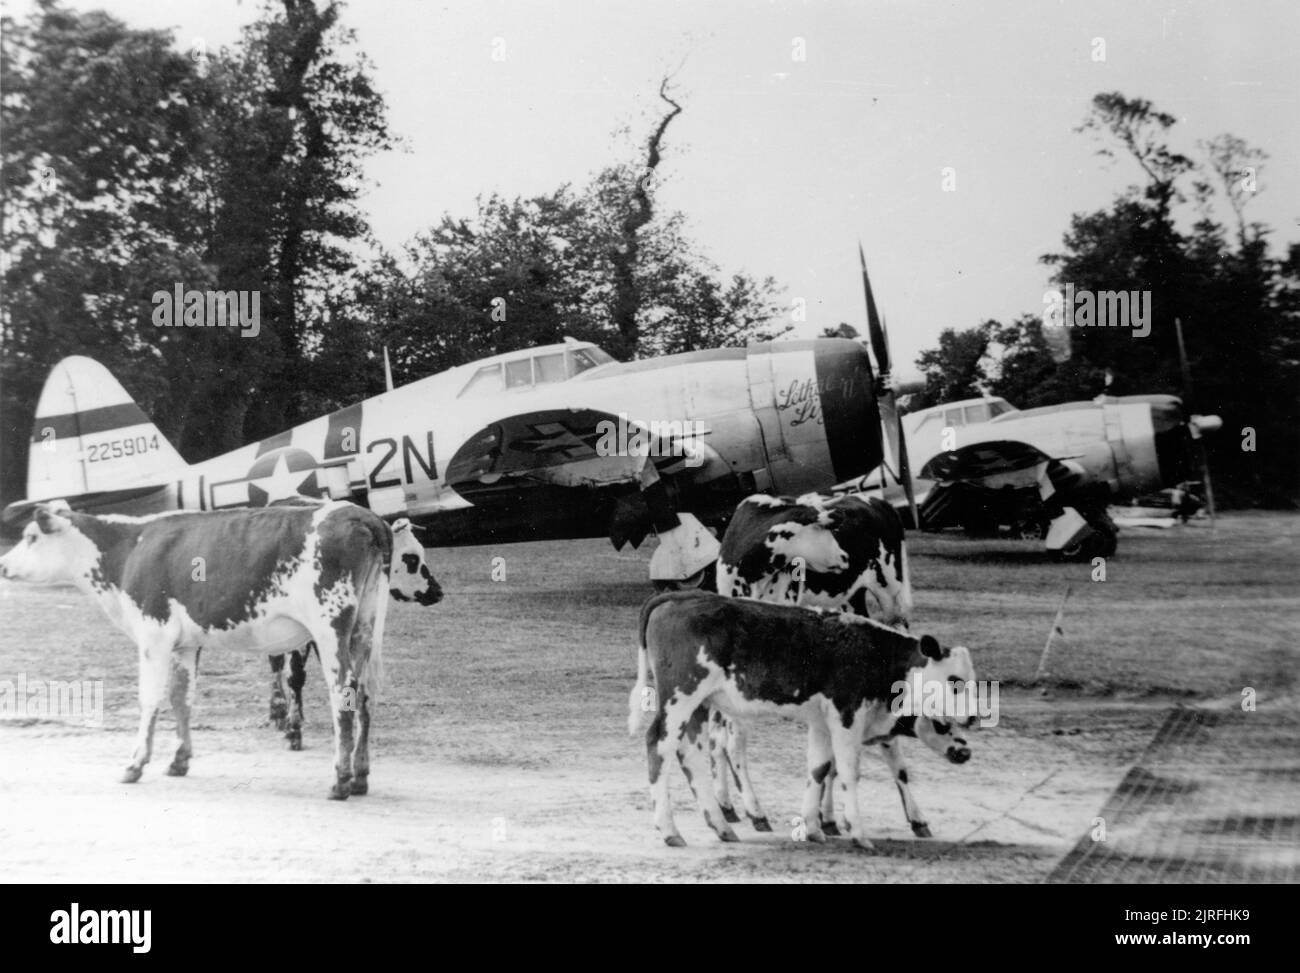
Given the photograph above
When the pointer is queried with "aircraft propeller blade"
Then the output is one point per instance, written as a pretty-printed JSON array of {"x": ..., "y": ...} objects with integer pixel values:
[
  {"x": 1192, "y": 425},
  {"x": 905, "y": 472},
  {"x": 888, "y": 395},
  {"x": 875, "y": 329}
]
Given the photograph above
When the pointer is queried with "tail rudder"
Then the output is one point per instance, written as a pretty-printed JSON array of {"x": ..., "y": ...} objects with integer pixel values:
[{"x": 89, "y": 436}]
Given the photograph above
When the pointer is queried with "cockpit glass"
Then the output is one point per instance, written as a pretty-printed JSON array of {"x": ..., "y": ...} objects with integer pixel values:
[
  {"x": 486, "y": 380},
  {"x": 519, "y": 373},
  {"x": 550, "y": 368}
]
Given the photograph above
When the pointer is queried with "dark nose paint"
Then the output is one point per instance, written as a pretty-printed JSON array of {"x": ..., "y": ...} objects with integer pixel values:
[
  {"x": 848, "y": 399},
  {"x": 1173, "y": 440}
]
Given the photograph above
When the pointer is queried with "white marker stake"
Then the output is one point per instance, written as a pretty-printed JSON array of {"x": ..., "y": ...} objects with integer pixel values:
[{"x": 1056, "y": 630}]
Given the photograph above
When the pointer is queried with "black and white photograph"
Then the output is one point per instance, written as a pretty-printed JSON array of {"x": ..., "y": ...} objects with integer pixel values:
[{"x": 650, "y": 442}]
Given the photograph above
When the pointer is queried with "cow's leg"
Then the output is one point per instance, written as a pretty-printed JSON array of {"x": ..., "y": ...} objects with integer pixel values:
[
  {"x": 155, "y": 662},
  {"x": 819, "y": 765},
  {"x": 831, "y": 823},
  {"x": 342, "y": 708},
  {"x": 657, "y": 747},
  {"x": 738, "y": 757},
  {"x": 185, "y": 670},
  {"x": 279, "y": 704},
  {"x": 692, "y": 750},
  {"x": 719, "y": 769},
  {"x": 297, "y": 679},
  {"x": 361, "y": 753},
  {"x": 892, "y": 752},
  {"x": 845, "y": 743}
]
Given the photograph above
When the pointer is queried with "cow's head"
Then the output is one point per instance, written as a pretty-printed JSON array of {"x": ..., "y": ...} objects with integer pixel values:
[
  {"x": 52, "y": 550},
  {"x": 814, "y": 544},
  {"x": 410, "y": 578},
  {"x": 948, "y": 678}
]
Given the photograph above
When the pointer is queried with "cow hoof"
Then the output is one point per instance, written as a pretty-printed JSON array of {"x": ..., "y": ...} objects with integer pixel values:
[
  {"x": 728, "y": 835},
  {"x": 360, "y": 785},
  {"x": 831, "y": 829},
  {"x": 295, "y": 741},
  {"x": 921, "y": 829},
  {"x": 816, "y": 837},
  {"x": 132, "y": 774},
  {"x": 175, "y": 769},
  {"x": 675, "y": 841},
  {"x": 864, "y": 844},
  {"x": 340, "y": 791},
  {"x": 729, "y": 814},
  {"x": 760, "y": 824}
]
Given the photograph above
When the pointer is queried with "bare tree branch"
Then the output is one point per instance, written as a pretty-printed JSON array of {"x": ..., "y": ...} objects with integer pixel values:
[{"x": 624, "y": 256}]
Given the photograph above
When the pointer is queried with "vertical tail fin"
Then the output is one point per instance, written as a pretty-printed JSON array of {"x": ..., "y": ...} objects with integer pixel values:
[{"x": 90, "y": 436}]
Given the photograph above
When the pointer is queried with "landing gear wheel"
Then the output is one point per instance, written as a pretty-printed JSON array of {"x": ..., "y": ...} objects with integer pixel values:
[
  {"x": 1029, "y": 530},
  {"x": 1102, "y": 542}
]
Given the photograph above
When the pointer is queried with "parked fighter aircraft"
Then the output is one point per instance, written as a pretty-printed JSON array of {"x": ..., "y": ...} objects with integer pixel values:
[
  {"x": 1048, "y": 472},
  {"x": 553, "y": 442}
]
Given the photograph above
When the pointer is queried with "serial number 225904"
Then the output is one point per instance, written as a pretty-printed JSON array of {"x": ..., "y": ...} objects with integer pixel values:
[{"x": 117, "y": 448}]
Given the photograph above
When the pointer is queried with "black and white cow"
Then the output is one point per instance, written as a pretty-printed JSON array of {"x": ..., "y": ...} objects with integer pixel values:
[
  {"x": 838, "y": 673},
  {"x": 409, "y": 580},
  {"x": 844, "y": 553},
  {"x": 260, "y": 580}
]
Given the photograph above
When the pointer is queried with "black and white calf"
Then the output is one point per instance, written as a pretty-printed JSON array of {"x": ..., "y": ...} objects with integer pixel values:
[
  {"x": 845, "y": 553},
  {"x": 262, "y": 580},
  {"x": 837, "y": 673},
  {"x": 409, "y": 580}
]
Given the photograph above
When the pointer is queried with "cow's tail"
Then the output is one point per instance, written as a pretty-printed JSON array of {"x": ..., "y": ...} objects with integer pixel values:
[
  {"x": 372, "y": 611},
  {"x": 636, "y": 700}
]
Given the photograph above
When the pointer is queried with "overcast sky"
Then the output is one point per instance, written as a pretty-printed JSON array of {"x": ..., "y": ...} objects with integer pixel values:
[{"x": 782, "y": 165}]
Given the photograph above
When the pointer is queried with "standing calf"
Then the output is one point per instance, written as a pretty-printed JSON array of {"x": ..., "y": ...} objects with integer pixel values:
[
  {"x": 836, "y": 673},
  {"x": 844, "y": 553}
]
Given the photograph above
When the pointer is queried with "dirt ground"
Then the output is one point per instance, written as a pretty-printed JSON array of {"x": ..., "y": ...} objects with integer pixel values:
[{"x": 500, "y": 749}]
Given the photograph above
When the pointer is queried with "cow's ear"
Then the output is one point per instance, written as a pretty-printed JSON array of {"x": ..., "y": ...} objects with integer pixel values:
[
  {"x": 49, "y": 521},
  {"x": 401, "y": 524},
  {"x": 930, "y": 647}
]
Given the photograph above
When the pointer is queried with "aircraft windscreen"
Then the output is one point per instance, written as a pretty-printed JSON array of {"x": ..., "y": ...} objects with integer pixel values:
[{"x": 588, "y": 358}]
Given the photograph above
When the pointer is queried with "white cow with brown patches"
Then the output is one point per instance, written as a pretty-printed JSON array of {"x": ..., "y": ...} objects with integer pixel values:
[{"x": 262, "y": 580}]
